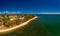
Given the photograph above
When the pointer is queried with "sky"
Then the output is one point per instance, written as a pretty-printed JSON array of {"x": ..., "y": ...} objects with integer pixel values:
[{"x": 30, "y": 6}]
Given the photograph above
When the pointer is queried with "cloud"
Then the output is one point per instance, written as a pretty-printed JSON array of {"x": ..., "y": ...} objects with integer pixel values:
[
  {"x": 49, "y": 13},
  {"x": 8, "y": 12}
]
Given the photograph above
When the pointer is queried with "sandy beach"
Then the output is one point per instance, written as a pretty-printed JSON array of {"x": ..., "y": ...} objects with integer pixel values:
[{"x": 18, "y": 26}]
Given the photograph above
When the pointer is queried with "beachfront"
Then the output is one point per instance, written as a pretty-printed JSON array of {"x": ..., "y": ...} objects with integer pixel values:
[{"x": 23, "y": 21}]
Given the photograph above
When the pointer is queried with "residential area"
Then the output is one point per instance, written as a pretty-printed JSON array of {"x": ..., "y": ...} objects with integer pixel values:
[{"x": 10, "y": 20}]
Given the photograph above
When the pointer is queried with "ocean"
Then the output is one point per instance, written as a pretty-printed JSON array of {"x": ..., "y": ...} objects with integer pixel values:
[{"x": 44, "y": 25}]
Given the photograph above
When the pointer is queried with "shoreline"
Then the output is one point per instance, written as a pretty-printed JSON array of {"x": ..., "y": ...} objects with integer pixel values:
[{"x": 23, "y": 24}]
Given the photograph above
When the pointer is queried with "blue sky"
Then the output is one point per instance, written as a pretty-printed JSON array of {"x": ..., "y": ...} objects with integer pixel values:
[{"x": 30, "y": 6}]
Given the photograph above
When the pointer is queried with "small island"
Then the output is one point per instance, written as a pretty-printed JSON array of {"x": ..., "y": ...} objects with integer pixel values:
[{"x": 11, "y": 21}]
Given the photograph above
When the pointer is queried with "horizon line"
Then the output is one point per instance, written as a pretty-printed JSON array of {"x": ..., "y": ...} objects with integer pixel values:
[{"x": 18, "y": 12}]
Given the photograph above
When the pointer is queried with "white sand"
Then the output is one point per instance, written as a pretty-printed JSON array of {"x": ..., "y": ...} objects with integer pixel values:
[{"x": 18, "y": 26}]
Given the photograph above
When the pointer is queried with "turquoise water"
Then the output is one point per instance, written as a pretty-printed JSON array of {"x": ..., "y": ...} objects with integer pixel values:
[{"x": 44, "y": 25}]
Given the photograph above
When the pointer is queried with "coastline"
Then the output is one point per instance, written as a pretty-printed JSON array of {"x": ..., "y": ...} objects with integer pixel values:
[{"x": 23, "y": 24}]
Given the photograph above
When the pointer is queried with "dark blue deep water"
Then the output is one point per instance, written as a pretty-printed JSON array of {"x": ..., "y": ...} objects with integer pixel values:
[{"x": 44, "y": 25}]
